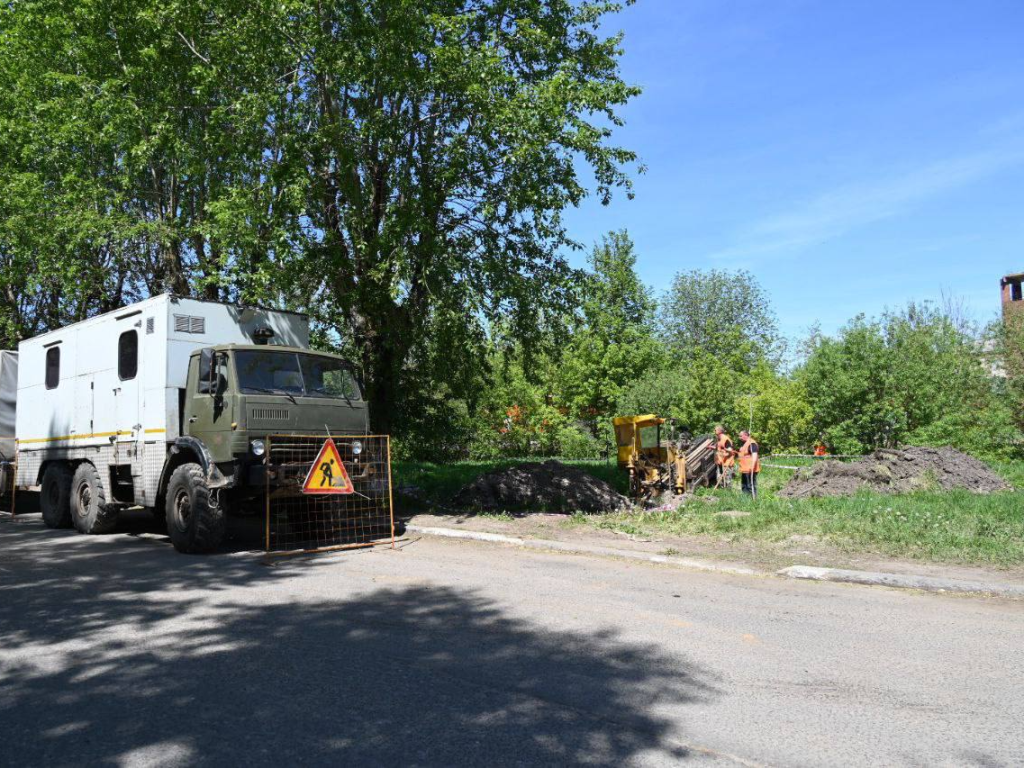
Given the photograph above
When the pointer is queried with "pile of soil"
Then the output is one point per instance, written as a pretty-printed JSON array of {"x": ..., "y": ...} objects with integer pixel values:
[
  {"x": 896, "y": 471},
  {"x": 548, "y": 487}
]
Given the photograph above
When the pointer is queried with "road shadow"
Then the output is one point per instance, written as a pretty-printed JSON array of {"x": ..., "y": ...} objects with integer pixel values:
[
  {"x": 245, "y": 531},
  {"x": 119, "y": 651}
]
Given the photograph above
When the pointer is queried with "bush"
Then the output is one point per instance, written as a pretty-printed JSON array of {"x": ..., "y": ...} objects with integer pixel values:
[
  {"x": 986, "y": 432},
  {"x": 574, "y": 442},
  {"x": 882, "y": 383},
  {"x": 440, "y": 432}
]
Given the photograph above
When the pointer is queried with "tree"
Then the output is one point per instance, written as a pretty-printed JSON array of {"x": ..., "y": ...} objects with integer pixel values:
[
  {"x": 1006, "y": 352},
  {"x": 777, "y": 409},
  {"x": 724, "y": 314},
  {"x": 439, "y": 143},
  {"x": 613, "y": 343},
  {"x": 698, "y": 394},
  {"x": 119, "y": 152},
  {"x": 883, "y": 381},
  {"x": 392, "y": 167},
  {"x": 56, "y": 260}
]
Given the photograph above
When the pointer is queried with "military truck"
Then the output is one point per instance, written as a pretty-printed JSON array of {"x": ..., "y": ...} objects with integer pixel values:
[{"x": 168, "y": 404}]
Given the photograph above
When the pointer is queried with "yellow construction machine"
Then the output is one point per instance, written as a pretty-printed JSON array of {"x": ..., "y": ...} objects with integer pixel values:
[{"x": 660, "y": 460}]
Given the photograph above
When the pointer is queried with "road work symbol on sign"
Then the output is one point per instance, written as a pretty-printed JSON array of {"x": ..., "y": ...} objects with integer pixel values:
[{"x": 327, "y": 474}]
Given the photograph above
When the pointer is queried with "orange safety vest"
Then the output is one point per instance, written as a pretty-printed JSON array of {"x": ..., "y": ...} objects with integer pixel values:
[
  {"x": 723, "y": 451},
  {"x": 749, "y": 461}
]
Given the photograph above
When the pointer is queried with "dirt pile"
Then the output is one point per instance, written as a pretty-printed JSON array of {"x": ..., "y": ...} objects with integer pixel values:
[
  {"x": 896, "y": 471},
  {"x": 548, "y": 487}
]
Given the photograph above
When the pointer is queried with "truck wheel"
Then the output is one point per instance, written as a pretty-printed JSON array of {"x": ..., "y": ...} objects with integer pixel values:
[
  {"x": 55, "y": 498},
  {"x": 193, "y": 521},
  {"x": 89, "y": 510}
]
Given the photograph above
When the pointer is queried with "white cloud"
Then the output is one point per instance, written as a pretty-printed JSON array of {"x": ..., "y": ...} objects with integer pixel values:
[{"x": 852, "y": 206}]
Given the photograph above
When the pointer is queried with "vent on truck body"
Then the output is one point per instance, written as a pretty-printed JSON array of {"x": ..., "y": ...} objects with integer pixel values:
[
  {"x": 189, "y": 324},
  {"x": 270, "y": 414}
]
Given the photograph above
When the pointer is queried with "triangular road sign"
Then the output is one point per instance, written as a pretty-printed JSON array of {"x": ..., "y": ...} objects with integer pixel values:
[{"x": 328, "y": 475}]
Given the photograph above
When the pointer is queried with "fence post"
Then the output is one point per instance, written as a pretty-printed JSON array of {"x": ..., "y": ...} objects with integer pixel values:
[
  {"x": 266, "y": 494},
  {"x": 391, "y": 494}
]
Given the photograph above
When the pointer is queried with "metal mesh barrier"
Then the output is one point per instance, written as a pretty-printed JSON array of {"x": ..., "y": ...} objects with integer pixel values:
[{"x": 328, "y": 493}]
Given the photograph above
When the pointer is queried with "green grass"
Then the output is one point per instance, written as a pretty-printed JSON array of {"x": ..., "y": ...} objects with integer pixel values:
[
  {"x": 956, "y": 526},
  {"x": 953, "y": 526}
]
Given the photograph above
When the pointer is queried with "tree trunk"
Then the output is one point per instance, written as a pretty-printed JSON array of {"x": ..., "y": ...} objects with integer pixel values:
[{"x": 382, "y": 364}]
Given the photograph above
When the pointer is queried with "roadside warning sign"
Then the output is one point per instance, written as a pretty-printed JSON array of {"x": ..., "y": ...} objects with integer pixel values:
[{"x": 327, "y": 474}]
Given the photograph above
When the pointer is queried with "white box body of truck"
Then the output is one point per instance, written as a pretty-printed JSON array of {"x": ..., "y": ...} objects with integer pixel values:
[{"x": 110, "y": 389}]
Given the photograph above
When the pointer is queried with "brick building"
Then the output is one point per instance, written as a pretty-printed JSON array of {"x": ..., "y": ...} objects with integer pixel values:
[{"x": 1013, "y": 298}]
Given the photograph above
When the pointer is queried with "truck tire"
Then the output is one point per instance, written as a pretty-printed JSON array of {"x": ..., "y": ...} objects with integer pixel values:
[
  {"x": 55, "y": 496},
  {"x": 194, "y": 523},
  {"x": 89, "y": 510}
]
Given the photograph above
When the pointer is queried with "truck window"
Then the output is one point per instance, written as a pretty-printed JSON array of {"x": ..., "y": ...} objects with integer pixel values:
[
  {"x": 205, "y": 370},
  {"x": 211, "y": 368},
  {"x": 290, "y": 373},
  {"x": 268, "y": 372},
  {"x": 220, "y": 373},
  {"x": 326, "y": 377},
  {"x": 52, "y": 367},
  {"x": 128, "y": 355}
]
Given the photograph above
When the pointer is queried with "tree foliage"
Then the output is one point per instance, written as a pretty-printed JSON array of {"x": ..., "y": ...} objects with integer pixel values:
[
  {"x": 882, "y": 381},
  {"x": 397, "y": 168},
  {"x": 613, "y": 341},
  {"x": 400, "y": 171},
  {"x": 440, "y": 142},
  {"x": 1005, "y": 342},
  {"x": 721, "y": 313}
]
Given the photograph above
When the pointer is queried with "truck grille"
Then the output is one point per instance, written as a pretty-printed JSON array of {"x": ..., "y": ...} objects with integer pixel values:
[{"x": 270, "y": 414}]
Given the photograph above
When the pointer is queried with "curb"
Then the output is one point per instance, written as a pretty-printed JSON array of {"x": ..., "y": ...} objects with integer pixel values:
[
  {"x": 901, "y": 581},
  {"x": 802, "y": 572}
]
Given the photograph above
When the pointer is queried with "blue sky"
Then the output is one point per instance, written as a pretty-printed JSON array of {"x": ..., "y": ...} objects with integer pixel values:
[{"x": 852, "y": 155}]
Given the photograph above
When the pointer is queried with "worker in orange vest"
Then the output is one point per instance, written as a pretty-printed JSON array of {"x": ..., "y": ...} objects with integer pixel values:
[
  {"x": 750, "y": 463},
  {"x": 725, "y": 457}
]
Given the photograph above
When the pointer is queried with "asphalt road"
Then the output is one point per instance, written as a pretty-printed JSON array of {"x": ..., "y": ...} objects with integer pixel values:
[{"x": 117, "y": 650}]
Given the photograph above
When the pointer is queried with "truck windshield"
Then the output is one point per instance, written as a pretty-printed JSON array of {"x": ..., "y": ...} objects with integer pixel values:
[{"x": 290, "y": 373}]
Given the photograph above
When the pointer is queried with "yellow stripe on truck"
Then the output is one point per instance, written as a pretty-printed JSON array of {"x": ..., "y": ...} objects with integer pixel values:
[{"x": 85, "y": 437}]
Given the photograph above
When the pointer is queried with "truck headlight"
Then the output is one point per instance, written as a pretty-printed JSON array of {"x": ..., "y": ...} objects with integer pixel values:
[
  {"x": 258, "y": 448},
  {"x": 357, "y": 447}
]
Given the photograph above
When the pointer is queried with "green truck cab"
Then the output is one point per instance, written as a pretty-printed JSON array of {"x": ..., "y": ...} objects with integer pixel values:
[{"x": 237, "y": 397}]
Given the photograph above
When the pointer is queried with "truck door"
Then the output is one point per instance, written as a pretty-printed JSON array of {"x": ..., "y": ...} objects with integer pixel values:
[
  {"x": 85, "y": 395},
  {"x": 208, "y": 410}
]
